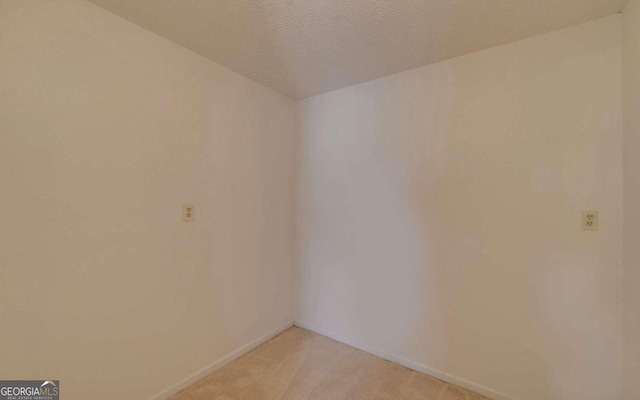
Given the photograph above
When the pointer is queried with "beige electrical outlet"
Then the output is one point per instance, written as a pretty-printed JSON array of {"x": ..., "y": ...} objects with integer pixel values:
[
  {"x": 590, "y": 220},
  {"x": 187, "y": 213}
]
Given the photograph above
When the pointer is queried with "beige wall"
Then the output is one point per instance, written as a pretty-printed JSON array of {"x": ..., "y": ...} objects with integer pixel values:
[
  {"x": 631, "y": 84},
  {"x": 438, "y": 210},
  {"x": 439, "y": 216},
  {"x": 105, "y": 131}
]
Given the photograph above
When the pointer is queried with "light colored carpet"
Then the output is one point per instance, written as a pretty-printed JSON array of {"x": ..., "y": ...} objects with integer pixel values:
[{"x": 301, "y": 365}]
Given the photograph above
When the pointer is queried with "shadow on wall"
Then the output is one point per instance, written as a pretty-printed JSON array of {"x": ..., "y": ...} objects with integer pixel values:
[
  {"x": 495, "y": 176},
  {"x": 462, "y": 193},
  {"x": 439, "y": 215}
]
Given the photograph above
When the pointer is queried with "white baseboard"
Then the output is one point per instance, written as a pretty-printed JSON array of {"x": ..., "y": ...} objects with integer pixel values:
[
  {"x": 188, "y": 381},
  {"x": 443, "y": 376}
]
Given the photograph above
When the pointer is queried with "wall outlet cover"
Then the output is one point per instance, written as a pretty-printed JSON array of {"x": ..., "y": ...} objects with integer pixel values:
[
  {"x": 590, "y": 220},
  {"x": 188, "y": 213}
]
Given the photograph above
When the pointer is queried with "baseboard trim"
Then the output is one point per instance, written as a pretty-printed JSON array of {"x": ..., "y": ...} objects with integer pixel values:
[
  {"x": 443, "y": 376},
  {"x": 216, "y": 365}
]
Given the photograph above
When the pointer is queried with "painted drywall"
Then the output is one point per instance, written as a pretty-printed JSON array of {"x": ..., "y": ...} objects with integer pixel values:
[
  {"x": 631, "y": 115},
  {"x": 439, "y": 216},
  {"x": 105, "y": 131}
]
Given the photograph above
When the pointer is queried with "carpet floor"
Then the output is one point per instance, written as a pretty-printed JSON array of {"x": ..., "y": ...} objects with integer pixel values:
[{"x": 301, "y": 365}]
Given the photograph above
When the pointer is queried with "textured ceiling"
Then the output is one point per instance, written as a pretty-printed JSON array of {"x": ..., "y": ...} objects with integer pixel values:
[{"x": 306, "y": 47}]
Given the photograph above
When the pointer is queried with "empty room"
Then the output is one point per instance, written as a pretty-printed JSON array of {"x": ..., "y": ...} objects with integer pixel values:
[{"x": 319, "y": 199}]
